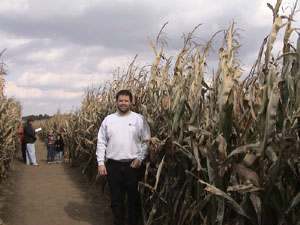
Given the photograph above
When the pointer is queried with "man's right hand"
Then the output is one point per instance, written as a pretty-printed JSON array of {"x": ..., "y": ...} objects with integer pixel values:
[{"x": 102, "y": 170}]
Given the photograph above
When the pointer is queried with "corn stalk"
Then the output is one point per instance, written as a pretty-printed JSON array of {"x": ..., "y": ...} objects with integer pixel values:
[
  {"x": 221, "y": 152},
  {"x": 10, "y": 117}
]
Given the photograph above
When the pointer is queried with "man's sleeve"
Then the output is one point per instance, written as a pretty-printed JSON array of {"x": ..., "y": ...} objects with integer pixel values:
[
  {"x": 101, "y": 144},
  {"x": 145, "y": 134}
]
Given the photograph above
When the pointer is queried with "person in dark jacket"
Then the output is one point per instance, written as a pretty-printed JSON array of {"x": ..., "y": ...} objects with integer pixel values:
[
  {"x": 50, "y": 147},
  {"x": 29, "y": 139},
  {"x": 59, "y": 147}
]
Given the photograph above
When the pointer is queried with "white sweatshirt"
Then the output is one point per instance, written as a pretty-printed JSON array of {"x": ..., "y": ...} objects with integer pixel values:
[{"x": 119, "y": 138}]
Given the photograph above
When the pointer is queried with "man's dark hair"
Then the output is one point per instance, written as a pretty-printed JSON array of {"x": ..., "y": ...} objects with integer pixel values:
[
  {"x": 30, "y": 119},
  {"x": 124, "y": 92}
]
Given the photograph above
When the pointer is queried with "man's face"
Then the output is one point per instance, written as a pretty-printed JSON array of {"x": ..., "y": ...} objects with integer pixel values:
[{"x": 123, "y": 103}]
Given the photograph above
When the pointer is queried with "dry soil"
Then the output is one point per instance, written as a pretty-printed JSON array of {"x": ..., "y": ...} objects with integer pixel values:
[{"x": 54, "y": 194}]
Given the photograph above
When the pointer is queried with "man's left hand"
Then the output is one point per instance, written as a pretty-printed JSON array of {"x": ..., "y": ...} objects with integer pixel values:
[{"x": 136, "y": 163}]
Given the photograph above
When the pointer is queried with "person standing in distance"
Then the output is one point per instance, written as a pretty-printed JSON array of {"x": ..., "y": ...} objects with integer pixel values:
[
  {"x": 119, "y": 144},
  {"x": 23, "y": 144},
  {"x": 30, "y": 138}
]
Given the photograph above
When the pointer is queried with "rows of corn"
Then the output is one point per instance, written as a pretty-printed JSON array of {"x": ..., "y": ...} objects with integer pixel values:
[
  {"x": 10, "y": 118},
  {"x": 223, "y": 151}
]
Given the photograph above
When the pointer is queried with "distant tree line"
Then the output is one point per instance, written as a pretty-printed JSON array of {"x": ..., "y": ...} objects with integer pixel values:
[{"x": 37, "y": 117}]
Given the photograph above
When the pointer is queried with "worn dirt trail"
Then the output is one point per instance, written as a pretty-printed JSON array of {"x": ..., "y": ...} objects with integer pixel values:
[{"x": 54, "y": 194}]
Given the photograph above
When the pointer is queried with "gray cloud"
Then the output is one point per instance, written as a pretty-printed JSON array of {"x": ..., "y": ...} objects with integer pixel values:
[
  {"x": 106, "y": 25},
  {"x": 67, "y": 45}
]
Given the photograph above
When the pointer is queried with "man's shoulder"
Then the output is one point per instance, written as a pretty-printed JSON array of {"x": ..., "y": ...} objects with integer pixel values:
[
  {"x": 137, "y": 115},
  {"x": 26, "y": 126},
  {"x": 115, "y": 115},
  {"x": 109, "y": 117},
  {"x": 139, "y": 118}
]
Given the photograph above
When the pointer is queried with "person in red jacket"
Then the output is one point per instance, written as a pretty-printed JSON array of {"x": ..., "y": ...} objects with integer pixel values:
[{"x": 23, "y": 144}]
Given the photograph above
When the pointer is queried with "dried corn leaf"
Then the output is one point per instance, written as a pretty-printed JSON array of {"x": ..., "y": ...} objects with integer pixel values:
[
  {"x": 231, "y": 201},
  {"x": 246, "y": 173},
  {"x": 257, "y": 206}
]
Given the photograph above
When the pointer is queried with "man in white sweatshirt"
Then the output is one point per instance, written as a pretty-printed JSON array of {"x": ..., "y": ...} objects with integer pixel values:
[{"x": 120, "y": 153}]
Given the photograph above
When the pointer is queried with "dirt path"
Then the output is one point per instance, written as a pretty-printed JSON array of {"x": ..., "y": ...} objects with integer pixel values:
[{"x": 52, "y": 194}]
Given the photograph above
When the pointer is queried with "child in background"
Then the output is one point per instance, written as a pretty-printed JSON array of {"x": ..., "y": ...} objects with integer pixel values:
[
  {"x": 59, "y": 147},
  {"x": 50, "y": 147}
]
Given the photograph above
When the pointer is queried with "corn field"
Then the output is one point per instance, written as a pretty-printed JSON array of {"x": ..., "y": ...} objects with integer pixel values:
[
  {"x": 10, "y": 117},
  {"x": 222, "y": 152}
]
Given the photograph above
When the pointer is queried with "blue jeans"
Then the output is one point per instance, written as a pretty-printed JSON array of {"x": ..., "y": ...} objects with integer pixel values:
[
  {"x": 59, "y": 156},
  {"x": 50, "y": 153}
]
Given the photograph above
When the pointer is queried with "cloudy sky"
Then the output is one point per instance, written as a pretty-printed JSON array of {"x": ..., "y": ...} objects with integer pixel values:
[{"x": 57, "y": 48}]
